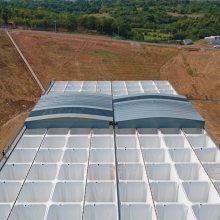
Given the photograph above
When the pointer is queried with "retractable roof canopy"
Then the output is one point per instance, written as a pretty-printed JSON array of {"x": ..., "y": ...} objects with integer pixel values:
[
  {"x": 79, "y": 110},
  {"x": 156, "y": 111},
  {"x": 96, "y": 110}
]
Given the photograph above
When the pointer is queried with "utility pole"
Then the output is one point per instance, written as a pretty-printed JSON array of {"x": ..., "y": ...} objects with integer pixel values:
[{"x": 55, "y": 26}]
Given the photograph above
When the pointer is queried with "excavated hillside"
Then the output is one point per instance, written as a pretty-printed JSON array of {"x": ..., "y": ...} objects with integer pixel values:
[{"x": 18, "y": 91}]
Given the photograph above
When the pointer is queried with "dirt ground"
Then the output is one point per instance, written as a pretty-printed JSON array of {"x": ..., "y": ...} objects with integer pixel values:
[
  {"x": 197, "y": 75},
  {"x": 18, "y": 91},
  {"x": 77, "y": 57},
  {"x": 80, "y": 57}
]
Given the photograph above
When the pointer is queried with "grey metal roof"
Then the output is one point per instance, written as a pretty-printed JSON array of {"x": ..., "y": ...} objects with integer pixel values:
[
  {"x": 93, "y": 109},
  {"x": 156, "y": 111},
  {"x": 141, "y": 96},
  {"x": 84, "y": 99},
  {"x": 75, "y": 110}
]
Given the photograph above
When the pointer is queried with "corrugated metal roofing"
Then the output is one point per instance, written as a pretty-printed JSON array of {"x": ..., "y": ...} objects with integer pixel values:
[
  {"x": 101, "y": 101},
  {"x": 75, "y": 109},
  {"x": 144, "y": 107},
  {"x": 142, "y": 96},
  {"x": 156, "y": 111}
]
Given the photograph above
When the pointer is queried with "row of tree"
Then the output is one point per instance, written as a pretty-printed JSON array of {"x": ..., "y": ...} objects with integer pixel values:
[
  {"x": 178, "y": 19},
  {"x": 41, "y": 19}
]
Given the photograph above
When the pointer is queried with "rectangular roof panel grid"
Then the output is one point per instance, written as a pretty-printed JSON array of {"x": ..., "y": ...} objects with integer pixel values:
[
  {"x": 116, "y": 88},
  {"x": 71, "y": 172}
]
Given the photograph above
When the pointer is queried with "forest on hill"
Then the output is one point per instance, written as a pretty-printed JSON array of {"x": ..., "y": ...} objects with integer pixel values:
[{"x": 151, "y": 20}]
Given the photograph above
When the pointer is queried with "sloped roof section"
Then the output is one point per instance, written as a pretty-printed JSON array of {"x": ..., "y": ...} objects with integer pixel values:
[
  {"x": 72, "y": 110},
  {"x": 96, "y": 110},
  {"x": 141, "y": 96},
  {"x": 156, "y": 111}
]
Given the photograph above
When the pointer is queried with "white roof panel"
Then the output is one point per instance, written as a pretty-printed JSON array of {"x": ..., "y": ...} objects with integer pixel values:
[
  {"x": 117, "y": 88},
  {"x": 111, "y": 174},
  {"x": 78, "y": 173}
]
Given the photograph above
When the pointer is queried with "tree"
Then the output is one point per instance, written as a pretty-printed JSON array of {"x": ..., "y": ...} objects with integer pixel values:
[
  {"x": 107, "y": 25},
  {"x": 71, "y": 23},
  {"x": 124, "y": 28},
  {"x": 6, "y": 14},
  {"x": 91, "y": 23},
  {"x": 1, "y": 22}
]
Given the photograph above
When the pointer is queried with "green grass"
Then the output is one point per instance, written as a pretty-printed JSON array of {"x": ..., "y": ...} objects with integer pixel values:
[
  {"x": 153, "y": 36},
  {"x": 187, "y": 66},
  {"x": 103, "y": 53},
  {"x": 156, "y": 36}
]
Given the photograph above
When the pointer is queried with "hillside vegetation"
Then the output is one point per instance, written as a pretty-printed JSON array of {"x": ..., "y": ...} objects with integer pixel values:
[{"x": 156, "y": 21}]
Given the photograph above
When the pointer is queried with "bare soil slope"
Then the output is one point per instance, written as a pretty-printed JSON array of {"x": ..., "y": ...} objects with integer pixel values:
[
  {"x": 197, "y": 75},
  {"x": 18, "y": 91},
  {"x": 81, "y": 57}
]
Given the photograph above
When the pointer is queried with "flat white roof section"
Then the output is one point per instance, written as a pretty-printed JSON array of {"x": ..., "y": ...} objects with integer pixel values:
[
  {"x": 110, "y": 173},
  {"x": 115, "y": 88}
]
